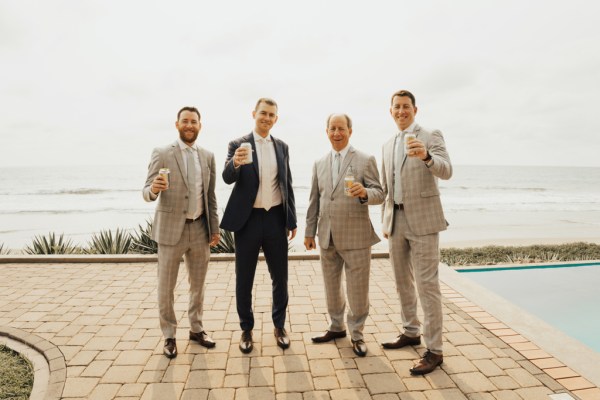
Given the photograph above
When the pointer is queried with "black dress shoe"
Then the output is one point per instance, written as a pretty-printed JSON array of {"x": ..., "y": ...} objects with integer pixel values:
[
  {"x": 359, "y": 347},
  {"x": 170, "y": 349},
  {"x": 402, "y": 341},
  {"x": 246, "y": 344},
  {"x": 203, "y": 339},
  {"x": 428, "y": 363},
  {"x": 328, "y": 336},
  {"x": 282, "y": 338}
]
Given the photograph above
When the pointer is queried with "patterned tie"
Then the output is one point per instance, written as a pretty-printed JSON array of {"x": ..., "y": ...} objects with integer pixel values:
[
  {"x": 336, "y": 168},
  {"x": 265, "y": 175},
  {"x": 191, "y": 181},
  {"x": 399, "y": 153}
]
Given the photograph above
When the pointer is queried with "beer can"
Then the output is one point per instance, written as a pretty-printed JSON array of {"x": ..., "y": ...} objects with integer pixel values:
[
  {"x": 164, "y": 172},
  {"x": 248, "y": 146}
]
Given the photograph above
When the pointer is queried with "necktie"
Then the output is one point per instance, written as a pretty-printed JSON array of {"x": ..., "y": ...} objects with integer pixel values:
[
  {"x": 191, "y": 181},
  {"x": 336, "y": 168},
  {"x": 399, "y": 155},
  {"x": 265, "y": 174}
]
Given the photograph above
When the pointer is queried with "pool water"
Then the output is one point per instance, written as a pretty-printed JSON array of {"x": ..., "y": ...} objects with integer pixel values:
[{"x": 567, "y": 296}]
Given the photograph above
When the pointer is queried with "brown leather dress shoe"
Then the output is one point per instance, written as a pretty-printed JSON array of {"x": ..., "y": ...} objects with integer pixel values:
[
  {"x": 328, "y": 336},
  {"x": 170, "y": 349},
  {"x": 282, "y": 338},
  {"x": 203, "y": 339},
  {"x": 246, "y": 344},
  {"x": 402, "y": 341},
  {"x": 359, "y": 347},
  {"x": 428, "y": 363}
]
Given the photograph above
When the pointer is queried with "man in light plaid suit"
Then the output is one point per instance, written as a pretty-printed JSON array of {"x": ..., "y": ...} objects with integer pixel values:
[
  {"x": 185, "y": 223},
  {"x": 344, "y": 229},
  {"x": 412, "y": 219}
]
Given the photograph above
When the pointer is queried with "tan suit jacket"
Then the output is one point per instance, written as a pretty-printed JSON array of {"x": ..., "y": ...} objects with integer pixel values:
[
  {"x": 333, "y": 214},
  {"x": 169, "y": 219},
  {"x": 420, "y": 193}
]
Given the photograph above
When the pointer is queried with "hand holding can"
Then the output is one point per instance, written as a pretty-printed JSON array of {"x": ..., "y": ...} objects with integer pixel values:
[
  {"x": 408, "y": 138},
  {"x": 244, "y": 153}
]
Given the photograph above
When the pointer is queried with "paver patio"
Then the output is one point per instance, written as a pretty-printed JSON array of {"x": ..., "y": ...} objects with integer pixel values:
[{"x": 98, "y": 322}]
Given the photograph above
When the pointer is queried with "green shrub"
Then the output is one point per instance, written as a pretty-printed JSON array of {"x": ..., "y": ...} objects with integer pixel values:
[
  {"x": 51, "y": 245},
  {"x": 226, "y": 244},
  {"x": 4, "y": 250},
  {"x": 141, "y": 242},
  {"x": 106, "y": 242}
]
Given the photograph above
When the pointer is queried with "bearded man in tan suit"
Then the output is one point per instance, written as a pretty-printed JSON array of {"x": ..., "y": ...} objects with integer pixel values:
[
  {"x": 412, "y": 219},
  {"x": 344, "y": 229},
  {"x": 185, "y": 223}
]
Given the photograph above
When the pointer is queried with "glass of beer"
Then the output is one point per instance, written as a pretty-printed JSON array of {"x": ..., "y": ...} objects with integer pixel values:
[
  {"x": 164, "y": 172},
  {"x": 409, "y": 137}
]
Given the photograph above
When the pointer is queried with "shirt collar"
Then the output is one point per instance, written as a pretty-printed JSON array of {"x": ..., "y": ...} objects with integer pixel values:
[
  {"x": 410, "y": 129},
  {"x": 342, "y": 152},
  {"x": 183, "y": 145},
  {"x": 258, "y": 138}
]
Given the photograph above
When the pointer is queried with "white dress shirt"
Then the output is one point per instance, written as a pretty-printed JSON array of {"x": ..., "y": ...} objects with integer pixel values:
[
  {"x": 268, "y": 177},
  {"x": 198, "y": 183},
  {"x": 398, "y": 157}
]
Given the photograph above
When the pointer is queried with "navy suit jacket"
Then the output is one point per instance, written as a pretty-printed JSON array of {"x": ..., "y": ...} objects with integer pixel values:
[{"x": 246, "y": 179}]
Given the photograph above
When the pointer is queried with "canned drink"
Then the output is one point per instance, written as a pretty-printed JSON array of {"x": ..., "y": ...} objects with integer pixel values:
[
  {"x": 348, "y": 181},
  {"x": 248, "y": 146},
  {"x": 164, "y": 172},
  {"x": 409, "y": 137}
]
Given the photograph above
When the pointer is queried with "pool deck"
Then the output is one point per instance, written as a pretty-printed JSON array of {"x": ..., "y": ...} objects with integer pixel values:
[{"x": 97, "y": 325}]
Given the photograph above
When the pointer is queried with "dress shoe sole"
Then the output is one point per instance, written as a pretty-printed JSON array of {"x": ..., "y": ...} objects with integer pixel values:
[
  {"x": 424, "y": 372},
  {"x": 170, "y": 356},
  {"x": 246, "y": 351},
  {"x": 395, "y": 345},
  {"x": 321, "y": 339},
  {"x": 284, "y": 346}
]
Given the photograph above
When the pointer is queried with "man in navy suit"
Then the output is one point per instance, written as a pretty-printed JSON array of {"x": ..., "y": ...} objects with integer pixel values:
[{"x": 261, "y": 212}]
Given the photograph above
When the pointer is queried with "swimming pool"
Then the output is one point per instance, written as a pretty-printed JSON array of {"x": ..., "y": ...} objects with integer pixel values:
[{"x": 567, "y": 296}]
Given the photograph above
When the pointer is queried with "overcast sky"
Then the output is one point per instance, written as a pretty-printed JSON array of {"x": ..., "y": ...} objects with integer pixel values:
[{"x": 100, "y": 82}]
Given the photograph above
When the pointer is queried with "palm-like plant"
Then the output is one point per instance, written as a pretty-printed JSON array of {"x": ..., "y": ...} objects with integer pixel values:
[
  {"x": 106, "y": 242},
  {"x": 51, "y": 245},
  {"x": 141, "y": 242},
  {"x": 3, "y": 250},
  {"x": 226, "y": 244}
]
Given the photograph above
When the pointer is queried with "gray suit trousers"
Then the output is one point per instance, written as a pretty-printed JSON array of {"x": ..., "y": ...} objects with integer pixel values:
[
  {"x": 193, "y": 245},
  {"x": 416, "y": 258},
  {"x": 357, "y": 265}
]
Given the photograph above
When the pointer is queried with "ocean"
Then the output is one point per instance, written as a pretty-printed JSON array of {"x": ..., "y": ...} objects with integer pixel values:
[{"x": 483, "y": 204}]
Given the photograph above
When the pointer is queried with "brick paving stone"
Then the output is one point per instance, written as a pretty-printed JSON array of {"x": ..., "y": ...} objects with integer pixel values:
[
  {"x": 458, "y": 364},
  {"x": 314, "y": 395},
  {"x": 83, "y": 358},
  {"x": 575, "y": 383},
  {"x": 194, "y": 394},
  {"x": 412, "y": 396},
  {"x": 506, "y": 395},
  {"x": 133, "y": 357},
  {"x": 122, "y": 374},
  {"x": 505, "y": 362},
  {"x": 253, "y": 393},
  {"x": 476, "y": 352},
  {"x": 261, "y": 376},
  {"x": 372, "y": 365},
  {"x": 504, "y": 382},
  {"x": 473, "y": 382},
  {"x": 480, "y": 396},
  {"x": 386, "y": 396},
  {"x": 104, "y": 392},
  {"x": 588, "y": 394},
  {"x": 176, "y": 373},
  {"x": 293, "y": 382},
  {"x": 291, "y": 363},
  {"x": 150, "y": 376},
  {"x": 321, "y": 368},
  {"x": 488, "y": 368},
  {"x": 238, "y": 366},
  {"x": 205, "y": 379},
  {"x": 384, "y": 383},
  {"x": 162, "y": 391},
  {"x": 544, "y": 363},
  {"x": 417, "y": 384},
  {"x": 325, "y": 350},
  {"x": 445, "y": 394},
  {"x": 534, "y": 393},
  {"x": 561, "y": 372},
  {"x": 79, "y": 387},
  {"x": 439, "y": 379},
  {"x": 350, "y": 394},
  {"x": 326, "y": 383},
  {"x": 221, "y": 394},
  {"x": 461, "y": 338},
  {"x": 523, "y": 377},
  {"x": 96, "y": 369},
  {"x": 350, "y": 378},
  {"x": 131, "y": 390},
  {"x": 236, "y": 381},
  {"x": 288, "y": 396}
]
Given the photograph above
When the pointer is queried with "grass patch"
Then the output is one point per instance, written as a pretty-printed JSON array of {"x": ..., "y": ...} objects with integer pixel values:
[
  {"x": 491, "y": 255},
  {"x": 16, "y": 375}
]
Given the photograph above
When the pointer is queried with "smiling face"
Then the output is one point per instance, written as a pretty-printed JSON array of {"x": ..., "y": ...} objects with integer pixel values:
[
  {"x": 265, "y": 117},
  {"x": 338, "y": 132},
  {"x": 188, "y": 126},
  {"x": 403, "y": 111}
]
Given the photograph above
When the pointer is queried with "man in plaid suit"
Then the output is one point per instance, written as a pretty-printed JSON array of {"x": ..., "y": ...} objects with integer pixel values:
[
  {"x": 344, "y": 229},
  {"x": 412, "y": 219},
  {"x": 185, "y": 223}
]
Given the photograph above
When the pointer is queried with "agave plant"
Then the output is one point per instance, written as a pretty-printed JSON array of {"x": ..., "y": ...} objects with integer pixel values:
[
  {"x": 3, "y": 250},
  {"x": 51, "y": 245},
  {"x": 106, "y": 242},
  {"x": 141, "y": 242},
  {"x": 226, "y": 244}
]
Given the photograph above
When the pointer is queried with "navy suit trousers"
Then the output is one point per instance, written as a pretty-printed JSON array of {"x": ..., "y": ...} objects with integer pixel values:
[{"x": 266, "y": 229}]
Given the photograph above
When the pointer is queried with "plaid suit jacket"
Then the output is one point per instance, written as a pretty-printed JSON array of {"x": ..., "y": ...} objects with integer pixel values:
[
  {"x": 420, "y": 193},
  {"x": 169, "y": 218},
  {"x": 333, "y": 214}
]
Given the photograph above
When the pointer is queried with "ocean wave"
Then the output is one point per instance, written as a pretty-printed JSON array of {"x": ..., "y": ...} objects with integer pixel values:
[
  {"x": 499, "y": 188},
  {"x": 83, "y": 191},
  {"x": 75, "y": 211}
]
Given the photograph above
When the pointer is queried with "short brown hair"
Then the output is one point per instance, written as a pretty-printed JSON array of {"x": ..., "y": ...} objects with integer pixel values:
[
  {"x": 191, "y": 109},
  {"x": 267, "y": 100},
  {"x": 405, "y": 93},
  {"x": 348, "y": 120}
]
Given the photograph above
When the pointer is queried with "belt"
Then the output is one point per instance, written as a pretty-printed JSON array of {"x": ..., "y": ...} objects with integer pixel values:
[
  {"x": 189, "y": 220},
  {"x": 398, "y": 206}
]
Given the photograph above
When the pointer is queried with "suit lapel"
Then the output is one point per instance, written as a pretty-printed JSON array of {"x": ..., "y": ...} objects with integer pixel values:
[
  {"x": 204, "y": 167},
  {"x": 179, "y": 159},
  {"x": 344, "y": 167},
  {"x": 255, "y": 154}
]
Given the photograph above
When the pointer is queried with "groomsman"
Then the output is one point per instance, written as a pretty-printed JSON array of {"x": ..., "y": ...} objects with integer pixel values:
[
  {"x": 340, "y": 218},
  {"x": 185, "y": 223},
  {"x": 262, "y": 214},
  {"x": 412, "y": 219}
]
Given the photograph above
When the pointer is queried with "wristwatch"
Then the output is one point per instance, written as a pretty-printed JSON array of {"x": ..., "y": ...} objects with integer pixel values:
[{"x": 428, "y": 158}]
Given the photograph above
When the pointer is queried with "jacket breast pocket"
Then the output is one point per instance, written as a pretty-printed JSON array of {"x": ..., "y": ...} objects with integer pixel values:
[
  {"x": 430, "y": 193},
  {"x": 164, "y": 208}
]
